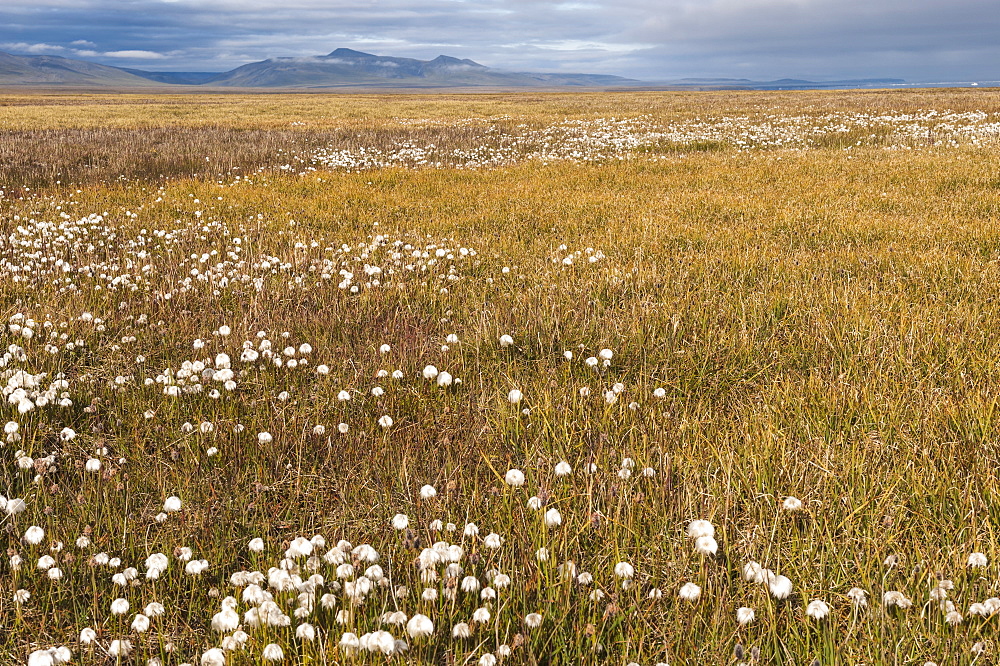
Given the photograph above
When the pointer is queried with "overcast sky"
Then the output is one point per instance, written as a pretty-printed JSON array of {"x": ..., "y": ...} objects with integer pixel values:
[{"x": 918, "y": 40}]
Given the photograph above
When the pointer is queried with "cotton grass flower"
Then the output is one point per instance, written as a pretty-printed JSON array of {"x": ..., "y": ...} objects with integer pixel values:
[
  {"x": 624, "y": 570},
  {"x": 745, "y": 616},
  {"x": 533, "y": 620},
  {"x": 428, "y": 491},
  {"x": 120, "y": 649},
  {"x": 213, "y": 657},
  {"x": 706, "y": 545},
  {"x": 894, "y": 598},
  {"x": 34, "y": 535},
  {"x": 514, "y": 477},
  {"x": 817, "y": 609},
  {"x": 553, "y": 518},
  {"x": 400, "y": 522},
  {"x": 514, "y": 396},
  {"x": 419, "y": 626},
  {"x": 273, "y": 652},
  {"x": 978, "y": 560},
  {"x": 699, "y": 528},
  {"x": 792, "y": 504},
  {"x": 493, "y": 541},
  {"x": 506, "y": 341},
  {"x": 140, "y": 623},
  {"x": 780, "y": 587},
  {"x": 690, "y": 592},
  {"x": 858, "y": 597}
]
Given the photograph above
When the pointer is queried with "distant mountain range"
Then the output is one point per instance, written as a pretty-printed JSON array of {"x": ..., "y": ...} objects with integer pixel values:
[
  {"x": 346, "y": 68},
  {"x": 343, "y": 68}
]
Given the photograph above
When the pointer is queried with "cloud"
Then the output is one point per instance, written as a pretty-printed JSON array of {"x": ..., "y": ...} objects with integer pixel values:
[
  {"x": 135, "y": 55},
  {"x": 651, "y": 39},
  {"x": 56, "y": 49},
  {"x": 33, "y": 49}
]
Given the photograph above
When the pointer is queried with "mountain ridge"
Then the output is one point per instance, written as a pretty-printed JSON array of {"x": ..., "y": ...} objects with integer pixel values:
[{"x": 345, "y": 68}]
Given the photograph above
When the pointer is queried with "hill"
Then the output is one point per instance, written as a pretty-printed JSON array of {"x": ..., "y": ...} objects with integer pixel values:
[
  {"x": 44, "y": 70},
  {"x": 349, "y": 68}
]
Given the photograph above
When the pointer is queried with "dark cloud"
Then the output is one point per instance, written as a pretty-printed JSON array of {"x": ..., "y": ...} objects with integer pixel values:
[{"x": 648, "y": 39}]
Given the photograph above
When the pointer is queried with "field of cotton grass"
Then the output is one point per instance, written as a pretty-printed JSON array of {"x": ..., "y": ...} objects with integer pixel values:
[{"x": 605, "y": 378}]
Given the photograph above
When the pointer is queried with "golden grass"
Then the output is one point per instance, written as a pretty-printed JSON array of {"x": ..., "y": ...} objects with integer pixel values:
[
  {"x": 19, "y": 111},
  {"x": 822, "y": 322}
]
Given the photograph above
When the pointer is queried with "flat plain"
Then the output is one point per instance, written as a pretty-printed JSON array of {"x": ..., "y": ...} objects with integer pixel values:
[{"x": 546, "y": 378}]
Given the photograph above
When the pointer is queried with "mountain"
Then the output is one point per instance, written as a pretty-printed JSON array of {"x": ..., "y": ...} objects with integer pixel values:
[
  {"x": 179, "y": 78},
  {"x": 55, "y": 70},
  {"x": 349, "y": 68}
]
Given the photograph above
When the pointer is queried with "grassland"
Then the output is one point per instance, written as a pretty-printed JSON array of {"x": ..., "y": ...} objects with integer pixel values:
[{"x": 812, "y": 319}]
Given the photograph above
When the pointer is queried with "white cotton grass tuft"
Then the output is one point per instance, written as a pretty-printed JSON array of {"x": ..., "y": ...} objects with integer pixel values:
[
  {"x": 514, "y": 397},
  {"x": 858, "y": 597},
  {"x": 553, "y": 518},
  {"x": 213, "y": 657},
  {"x": 172, "y": 504},
  {"x": 690, "y": 592},
  {"x": 506, "y": 340},
  {"x": 140, "y": 623},
  {"x": 120, "y": 648},
  {"x": 977, "y": 560},
  {"x": 34, "y": 535},
  {"x": 699, "y": 528},
  {"x": 428, "y": 491},
  {"x": 792, "y": 504},
  {"x": 896, "y": 599},
  {"x": 706, "y": 545},
  {"x": 624, "y": 570},
  {"x": 514, "y": 477},
  {"x": 273, "y": 652},
  {"x": 780, "y": 587},
  {"x": 419, "y": 626},
  {"x": 817, "y": 609},
  {"x": 745, "y": 615}
]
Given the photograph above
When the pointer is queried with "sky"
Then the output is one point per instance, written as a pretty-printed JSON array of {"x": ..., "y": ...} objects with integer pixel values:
[{"x": 651, "y": 40}]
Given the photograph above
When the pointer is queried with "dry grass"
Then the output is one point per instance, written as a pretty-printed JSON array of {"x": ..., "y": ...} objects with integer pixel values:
[{"x": 822, "y": 327}]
